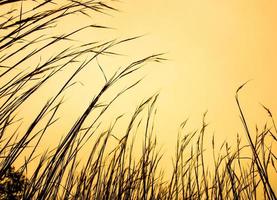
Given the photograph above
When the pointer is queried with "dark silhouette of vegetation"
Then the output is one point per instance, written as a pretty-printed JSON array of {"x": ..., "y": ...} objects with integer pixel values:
[
  {"x": 12, "y": 184},
  {"x": 242, "y": 172}
]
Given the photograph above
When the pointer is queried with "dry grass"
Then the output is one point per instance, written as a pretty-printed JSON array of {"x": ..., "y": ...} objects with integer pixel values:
[{"x": 237, "y": 173}]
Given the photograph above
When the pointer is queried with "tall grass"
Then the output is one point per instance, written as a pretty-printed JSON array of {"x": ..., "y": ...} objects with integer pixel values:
[{"x": 243, "y": 172}]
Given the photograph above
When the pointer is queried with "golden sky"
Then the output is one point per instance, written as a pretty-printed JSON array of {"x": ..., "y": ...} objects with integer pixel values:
[{"x": 212, "y": 48}]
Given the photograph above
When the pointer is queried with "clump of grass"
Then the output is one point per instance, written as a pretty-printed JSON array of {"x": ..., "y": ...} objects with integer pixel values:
[
  {"x": 236, "y": 173},
  {"x": 242, "y": 172}
]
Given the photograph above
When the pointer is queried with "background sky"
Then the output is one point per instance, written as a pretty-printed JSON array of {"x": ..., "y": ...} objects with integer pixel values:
[{"x": 212, "y": 48}]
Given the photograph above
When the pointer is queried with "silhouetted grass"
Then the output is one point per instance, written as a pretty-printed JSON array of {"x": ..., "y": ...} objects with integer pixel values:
[{"x": 109, "y": 171}]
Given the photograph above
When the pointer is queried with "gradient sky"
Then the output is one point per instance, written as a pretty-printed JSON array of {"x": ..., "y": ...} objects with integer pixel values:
[{"x": 212, "y": 48}]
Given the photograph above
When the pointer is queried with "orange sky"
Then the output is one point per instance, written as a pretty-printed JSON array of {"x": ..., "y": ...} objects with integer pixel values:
[{"x": 212, "y": 46}]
